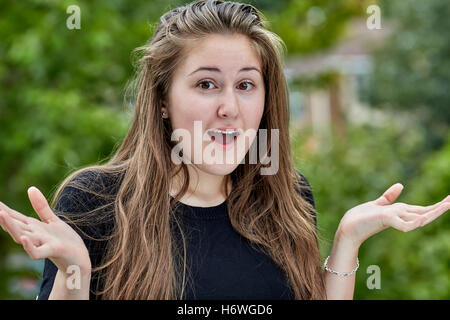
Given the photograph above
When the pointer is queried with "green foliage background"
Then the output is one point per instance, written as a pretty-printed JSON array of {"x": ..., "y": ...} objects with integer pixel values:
[
  {"x": 62, "y": 107},
  {"x": 413, "y": 71}
]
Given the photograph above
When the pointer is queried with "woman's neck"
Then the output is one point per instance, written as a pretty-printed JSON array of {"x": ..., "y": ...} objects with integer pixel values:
[{"x": 205, "y": 190}]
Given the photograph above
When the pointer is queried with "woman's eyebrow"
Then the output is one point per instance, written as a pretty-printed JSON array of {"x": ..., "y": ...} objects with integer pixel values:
[{"x": 215, "y": 69}]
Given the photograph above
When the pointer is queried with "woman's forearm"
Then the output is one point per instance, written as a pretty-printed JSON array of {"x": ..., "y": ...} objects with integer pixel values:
[
  {"x": 343, "y": 257},
  {"x": 62, "y": 291}
]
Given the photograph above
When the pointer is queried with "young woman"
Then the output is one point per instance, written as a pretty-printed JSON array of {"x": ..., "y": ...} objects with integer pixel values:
[{"x": 146, "y": 226}]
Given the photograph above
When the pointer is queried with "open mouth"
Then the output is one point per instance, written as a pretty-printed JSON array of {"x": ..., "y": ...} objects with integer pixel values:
[{"x": 223, "y": 137}]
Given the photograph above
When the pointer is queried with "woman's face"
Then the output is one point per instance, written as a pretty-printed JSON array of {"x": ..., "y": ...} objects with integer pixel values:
[{"x": 219, "y": 83}]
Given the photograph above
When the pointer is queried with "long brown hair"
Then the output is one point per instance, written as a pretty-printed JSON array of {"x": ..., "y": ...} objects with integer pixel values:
[{"x": 141, "y": 260}]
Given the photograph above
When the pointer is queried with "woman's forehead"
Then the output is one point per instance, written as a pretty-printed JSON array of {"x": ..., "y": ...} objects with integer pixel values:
[{"x": 229, "y": 51}]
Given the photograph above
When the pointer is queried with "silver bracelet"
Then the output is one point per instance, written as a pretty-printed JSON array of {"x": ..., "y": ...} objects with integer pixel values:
[{"x": 342, "y": 274}]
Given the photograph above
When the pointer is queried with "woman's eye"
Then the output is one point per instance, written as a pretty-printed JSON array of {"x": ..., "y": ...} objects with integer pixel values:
[
  {"x": 248, "y": 83},
  {"x": 204, "y": 84}
]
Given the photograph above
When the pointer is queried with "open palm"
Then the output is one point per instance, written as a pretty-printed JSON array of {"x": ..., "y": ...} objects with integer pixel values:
[
  {"x": 369, "y": 218},
  {"x": 49, "y": 237}
]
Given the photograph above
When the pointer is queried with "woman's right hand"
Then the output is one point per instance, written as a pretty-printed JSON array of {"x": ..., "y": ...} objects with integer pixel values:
[{"x": 49, "y": 237}]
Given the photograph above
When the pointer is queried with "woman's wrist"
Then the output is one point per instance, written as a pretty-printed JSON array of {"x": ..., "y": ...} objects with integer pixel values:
[
  {"x": 344, "y": 239},
  {"x": 71, "y": 286},
  {"x": 342, "y": 259},
  {"x": 344, "y": 253}
]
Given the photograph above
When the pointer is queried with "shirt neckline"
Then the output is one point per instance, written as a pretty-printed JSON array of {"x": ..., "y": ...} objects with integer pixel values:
[{"x": 219, "y": 211}]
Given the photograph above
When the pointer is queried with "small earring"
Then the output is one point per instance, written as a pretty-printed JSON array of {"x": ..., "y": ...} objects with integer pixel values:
[{"x": 163, "y": 114}]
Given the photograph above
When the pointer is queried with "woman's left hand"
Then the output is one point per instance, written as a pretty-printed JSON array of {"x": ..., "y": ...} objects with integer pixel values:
[{"x": 367, "y": 219}]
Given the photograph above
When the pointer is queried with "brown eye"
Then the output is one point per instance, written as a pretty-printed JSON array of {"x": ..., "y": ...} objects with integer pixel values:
[
  {"x": 247, "y": 83},
  {"x": 204, "y": 85}
]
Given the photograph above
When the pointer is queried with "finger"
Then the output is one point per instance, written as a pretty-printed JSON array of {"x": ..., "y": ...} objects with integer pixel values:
[
  {"x": 409, "y": 216},
  {"x": 421, "y": 209},
  {"x": 14, "y": 227},
  {"x": 40, "y": 205},
  {"x": 14, "y": 213},
  {"x": 437, "y": 212},
  {"x": 2, "y": 224},
  {"x": 425, "y": 209},
  {"x": 390, "y": 195},
  {"x": 34, "y": 252},
  {"x": 397, "y": 223},
  {"x": 34, "y": 237}
]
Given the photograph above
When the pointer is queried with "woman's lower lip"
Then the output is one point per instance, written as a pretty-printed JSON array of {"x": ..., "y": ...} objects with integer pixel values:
[{"x": 226, "y": 145}]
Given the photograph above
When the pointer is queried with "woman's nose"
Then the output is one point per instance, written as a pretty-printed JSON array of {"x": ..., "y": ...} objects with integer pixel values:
[{"x": 229, "y": 106}]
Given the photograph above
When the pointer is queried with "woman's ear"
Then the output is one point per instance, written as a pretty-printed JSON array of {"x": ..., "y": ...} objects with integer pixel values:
[{"x": 164, "y": 112}]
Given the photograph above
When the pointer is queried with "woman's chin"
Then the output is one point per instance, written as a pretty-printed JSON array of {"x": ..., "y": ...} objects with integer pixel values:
[{"x": 218, "y": 169}]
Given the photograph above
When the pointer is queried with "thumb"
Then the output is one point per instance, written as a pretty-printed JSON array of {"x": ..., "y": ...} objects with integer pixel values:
[
  {"x": 390, "y": 195},
  {"x": 40, "y": 205}
]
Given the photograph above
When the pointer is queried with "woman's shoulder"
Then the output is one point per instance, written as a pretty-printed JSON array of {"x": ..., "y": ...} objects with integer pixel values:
[
  {"x": 88, "y": 199},
  {"x": 92, "y": 185}
]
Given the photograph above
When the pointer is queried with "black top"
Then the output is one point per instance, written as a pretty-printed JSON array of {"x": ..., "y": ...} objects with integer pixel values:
[{"x": 223, "y": 264}]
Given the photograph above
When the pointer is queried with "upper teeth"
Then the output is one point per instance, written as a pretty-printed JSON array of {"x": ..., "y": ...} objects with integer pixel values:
[{"x": 218, "y": 131}]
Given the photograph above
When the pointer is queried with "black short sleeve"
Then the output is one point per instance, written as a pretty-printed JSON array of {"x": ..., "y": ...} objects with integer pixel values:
[{"x": 307, "y": 194}]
